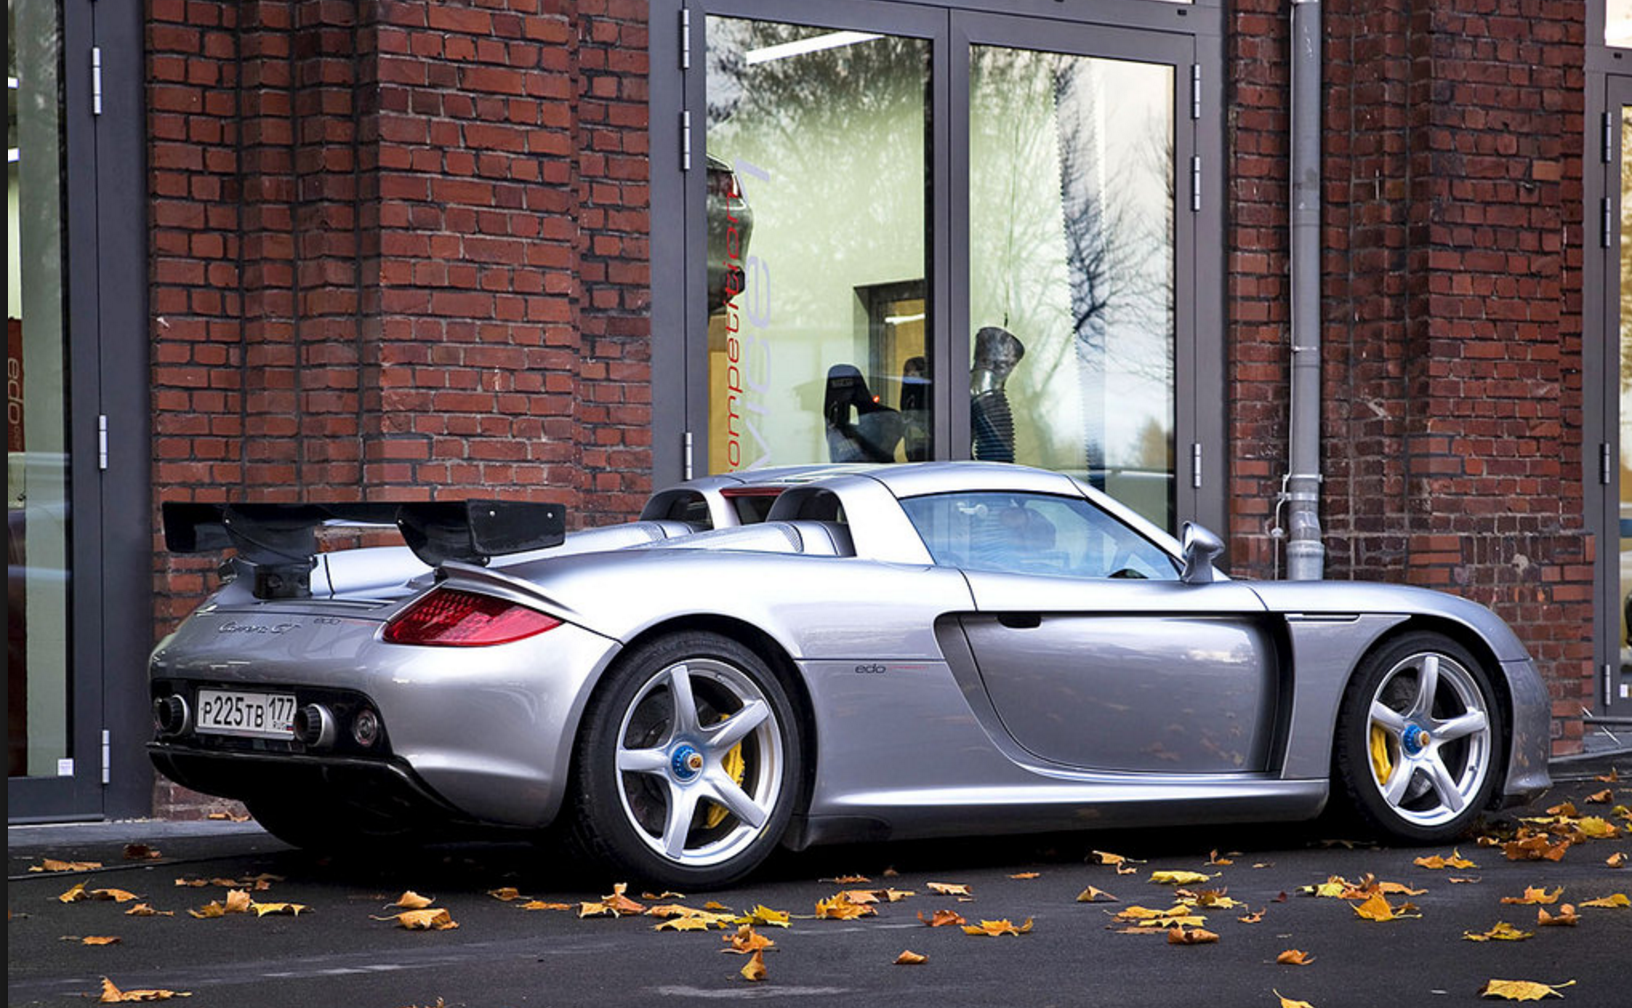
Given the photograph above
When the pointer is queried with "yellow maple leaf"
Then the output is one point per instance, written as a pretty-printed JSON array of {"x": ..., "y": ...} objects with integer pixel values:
[
  {"x": 75, "y": 894},
  {"x": 1107, "y": 858},
  {"x": 1093, "y": 894},
  {"x": 1456, "y": 860},
  {"x": 1294, "y": 957},
  {"x": 995, "y": 928},
  {"x": 1377, "y": 908},
  {"x": 237, "y": 901},
  {"x": 746, "y": 941},
  {"x": 588, "y": 909},
  {"x": 1610, "y": 901},
  {"x": 1194, "y": 936},
  {"x": 849, "y": 880},
  {"x": 682, "y": 924},
  {"x": 950, "y": 888},
  {"x": 764, "y": 915},
  {"x": 1565, "y": 809},
  {"x": 542, "y": 905},
  {"x": 100, "y": 940},
  {"x": 289, "y": 909},
  {"x": 1533, "y": 896},
  {"x": 858, "y": 896},
  {"x": 53, "y": 865},
  {"x": 411, "y": 900},
  {"x": 208, "y": 910},
  {"x": 113, "y": 995},
  {"x": 1178, "y": 877},
  {"x": 143, "y": 910},
  {"x": 839, "y": 908},
  {"x": 196, "y": 883},
  {"x": 754, "y": 969},
  {"x": 1503, "y": 931},
  {"x": 910, "y": 958},
  {"x": 1287, "y": 1002},
  {"x": 1521, "y": 990},
  {"x": 1597, "y": 828},
  {"x": 897, "y": 895},
  {"x": 429, "y": 919},
  {"x": 116, "y": 895}
]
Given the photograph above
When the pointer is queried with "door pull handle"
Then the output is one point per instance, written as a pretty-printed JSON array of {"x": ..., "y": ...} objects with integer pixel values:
[{"x": 1021, "y": 621}]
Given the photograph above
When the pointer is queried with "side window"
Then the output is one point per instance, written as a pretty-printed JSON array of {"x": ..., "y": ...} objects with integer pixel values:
[{"x": 1020, "y": 533}]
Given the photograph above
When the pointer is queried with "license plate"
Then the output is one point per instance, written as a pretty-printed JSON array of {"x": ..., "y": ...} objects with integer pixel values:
[{"x": 252, "y": 715}]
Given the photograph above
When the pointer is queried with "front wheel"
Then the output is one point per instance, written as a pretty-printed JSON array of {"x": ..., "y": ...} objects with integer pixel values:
[
  {"x": 1418, "y": 739},
  {"x": 688, "y": 766}
]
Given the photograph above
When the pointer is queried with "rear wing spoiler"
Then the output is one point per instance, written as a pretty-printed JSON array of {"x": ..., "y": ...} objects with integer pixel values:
[{"x": 279, "y": 541}]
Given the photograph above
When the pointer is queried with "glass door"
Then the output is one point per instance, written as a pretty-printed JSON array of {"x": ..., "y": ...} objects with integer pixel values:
[{"x": 1615, "y": 695}]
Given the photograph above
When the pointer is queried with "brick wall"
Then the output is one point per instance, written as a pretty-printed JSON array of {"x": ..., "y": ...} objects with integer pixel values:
[
  {"x": 1452, "y": 364},
  {"x": 398, "y": 246}
]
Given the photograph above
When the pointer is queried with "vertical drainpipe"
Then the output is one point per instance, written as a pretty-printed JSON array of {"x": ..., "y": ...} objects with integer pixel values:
[{"x": 1305, "y": 553}]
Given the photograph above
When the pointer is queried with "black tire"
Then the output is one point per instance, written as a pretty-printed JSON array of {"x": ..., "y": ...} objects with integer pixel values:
[
  {"x": 1420, "y": 740},
  {"x": 742, "y": 745}
]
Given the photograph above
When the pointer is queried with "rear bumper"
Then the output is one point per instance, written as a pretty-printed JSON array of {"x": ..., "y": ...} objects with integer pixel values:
[{"x": 1527, "y": 775}]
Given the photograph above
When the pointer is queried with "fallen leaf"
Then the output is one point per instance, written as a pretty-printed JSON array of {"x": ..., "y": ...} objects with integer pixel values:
[
  {"x": 1287, "y": 1002},
  {"x": 1456, "y": 860},
  {"x": 209, "y": 910},
  {"x": 228, "y": 816},
  {"x": 1503, "y": 931},
  {"x": 141, "y": 852},
  {"x": 1613, "y": 777},
  {"x": 1178, "y": 877},
  {"x": 1294, "y": 957},
  {"x": 941, "y": 918},
  {"x": 849, "y": 880},
  {"x": 1377, "y": 908},
  {"x": 765, "y": 915},
  {"x": 1159, "y": 920},
  {"x": 1603, "y": 797},
  {"x": 196, "y": 883},
  {"x": 1597, "y": 828},
  {"x": 1106, "y": 857},
  {"x": 75, "y": 894},
  {"x": 666, "y": 894},
  {"x": 1025, "y": 875},
  {"x": 1093, "y": 894},
  {"x": 113, "y": 995},
  {"x": 682, "y": 924},
  {"x": 505, "y": 894},
  {"x": 1126, "y": 868},
  {"x": 411, "y": 900},
  {"x": 910, "y": 958},
  {"x": 1257, "y": 917},
  {"x": 897, "y": 895},
  {"x": 839, "y": 908},
  {"x": 1535, "y": 847},
  {"x": 862, "y": 896},
  {"x": 1616, "y": 860},
  {"x": 423, "y": 920},
  {"x": 1533, "y": 896},
  {"x": 716, "y": 905},
  {"x": 53, "y": 865},
  {"x": 1610, "y": 901},
  {"x": 117, "y": 895},
  {"x": 754, "y": 968},
  {"x": 619, "y": 903},
  {"x": 1521, "y": 990},
  {"x": 995, "y": 928},
  {"x": 1458, "y": 879},
  {"x": 97, "y": 940},
  {"x": 289, "y": 909},
  {"x": 746, "y": 941},
  {"x": 1563, "y": 809},
  {"x": 143, "y": 910},
  {"x": 1209, "y": 898},
  {"x": 587, "y": 909},
  {"x": 950, "y": 889},
  {"x": 1195, "y": 936},
  {"x": 1214, "y": 859},
  {"x": 1566, "y": 917},
  {"x": 237, "y": 901}
]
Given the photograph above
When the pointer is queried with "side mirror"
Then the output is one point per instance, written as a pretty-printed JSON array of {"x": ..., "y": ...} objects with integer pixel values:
[{"x": 1200, "y": 547}]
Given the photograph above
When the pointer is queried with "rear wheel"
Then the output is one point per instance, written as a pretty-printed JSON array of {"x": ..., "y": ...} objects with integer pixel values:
[
  {"x": 1418, "y": 739},
  {"x": 689, "y": 763}
]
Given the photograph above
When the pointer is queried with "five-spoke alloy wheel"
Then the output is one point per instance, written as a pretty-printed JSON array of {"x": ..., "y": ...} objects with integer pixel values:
[
  {"x": 1419, "y": 739},
  {"x": 688, "y": 766}
]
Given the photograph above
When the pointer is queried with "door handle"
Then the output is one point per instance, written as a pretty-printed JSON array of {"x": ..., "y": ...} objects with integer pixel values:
[{"x": 1021, "y": 620}]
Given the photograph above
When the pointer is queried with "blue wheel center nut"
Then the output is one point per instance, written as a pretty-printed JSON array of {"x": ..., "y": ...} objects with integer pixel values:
[
  {"x": 686, "y": 762},
  {"x": 1414, "y": 739}
]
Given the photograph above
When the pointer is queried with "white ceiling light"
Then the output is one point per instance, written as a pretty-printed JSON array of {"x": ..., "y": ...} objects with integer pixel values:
[{"x": 816, "y": 43}]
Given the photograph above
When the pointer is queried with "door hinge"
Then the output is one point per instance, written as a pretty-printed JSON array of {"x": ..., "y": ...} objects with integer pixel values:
[
  {"x": 1195, "y": 184},
  {"x": 685, "y": 38},
  {"x": 1606, "y": 223},
  {"x": 1195, "y": 90},
  {"x": 686, "y": 451},
  {"x": 685, "y": 141},
  {"x": 96, "y": 80},
  {"x": 1606, "y": 151},
  {"x": 107, "y": 756},
  {"x": 1603, "y": 463},
  {"x": 1195, "y": 465},
  {"x": 102, "y": 441}
]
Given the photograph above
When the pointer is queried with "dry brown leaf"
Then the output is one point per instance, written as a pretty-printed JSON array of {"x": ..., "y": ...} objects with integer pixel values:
[
  {"x": 1287, "y": 1002},
  {"x": 141, "y": 852},
  {"x": 910, "y": 958},
  {"x": 1456, "y": 860},
  {"x": 1566, "y": 917},
  {"x": 1613, "y": 777},
  {"x": 897, "y": 895},
  {"x": 1025, "y": 875},
  {"x": 208, "y": 910},
  {"x": 618, "y": 902},
  {"x": 1459, "y": 879},
  {"x": 1216, "y": 861},
  {"x": 113, "y": 995},
  {"x": 53, "y": 865},
  {"x": 116, "y": 895},
  {"x": 1125, "y": 868},
  {"x": 666, "y": 894},
  {"x": 237, "y": 901},
  {"x": 754, "y": 969},
  {"x": 950, "y": 888},
  {"x": 542, "y": 905},
  {"x": 1521, "y": 990},
  {"x": 1610, "y": 901},
  {"x": 849, "y": 880},
  {"x": 1107, "y": 858},
  {"x": 995, "y": 928},
  {"x": 196, "y": 883},
  {"x": 1377, "y": 908},
  {"x": 839, "y": 908},
  {"x": 423, "y": 920},
  {"x": 941, "y": 918},
  {"x": 746, "y": 940},
  {"x": 1535, "y": 847},
  {"x": 717, "y": 906},
  {"x": 1603, "y": 797},
  {"x": 1616, "y": 860},
  {"x": 508, "y": 893},
  {"x": 1503, "y": 931},
  {"x": 1294, "y": 957},
  {"x": 682, "y": 924},
  {"x": 143, "y": 910},
  {"x": 861, "y": 896},
  {"x": 1533, "y": 896},
  {"x": 1563, "y": 809},
  {"x": 98, "y": 940},
  {"x": 1256, "y": 917},
  {"x": 1194, "y": 936},
  {"x": 411, "y": 900},
  {"x": 1093, "y": 894},
  {"x": 588, "y": 909},
  {"x": 1160, "y": 920}
]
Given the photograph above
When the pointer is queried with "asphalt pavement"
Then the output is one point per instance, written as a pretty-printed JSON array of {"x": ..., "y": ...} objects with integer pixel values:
[{"x": 340, "y": 952}]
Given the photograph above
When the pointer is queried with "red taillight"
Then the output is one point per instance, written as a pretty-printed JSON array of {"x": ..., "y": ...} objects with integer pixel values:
[{"x": 448, "y": 617}]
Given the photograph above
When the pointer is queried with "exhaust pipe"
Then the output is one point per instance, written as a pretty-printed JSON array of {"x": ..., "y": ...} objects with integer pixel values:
[
  {"x": 315, "y": 727},
  {"x": 171, "y": 715}
]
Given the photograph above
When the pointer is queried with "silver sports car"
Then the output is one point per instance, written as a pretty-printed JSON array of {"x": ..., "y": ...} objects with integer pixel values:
[{"x": 821, "y": 654}]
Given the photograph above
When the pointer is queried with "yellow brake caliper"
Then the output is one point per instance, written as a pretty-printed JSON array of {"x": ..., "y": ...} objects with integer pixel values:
[
  {"x": 734, "y": 765},
  {"x": 1381, "y": 765}
]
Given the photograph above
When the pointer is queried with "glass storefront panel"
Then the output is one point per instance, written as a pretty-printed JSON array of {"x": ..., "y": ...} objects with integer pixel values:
[
  {"x": 818, "y": 182},
  {"x": 1618, "y": 22},
  {"x": 37, "y": 641},
  {"x": 1623, "y": 689},
  {"x": 1071, "y": 269}
]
